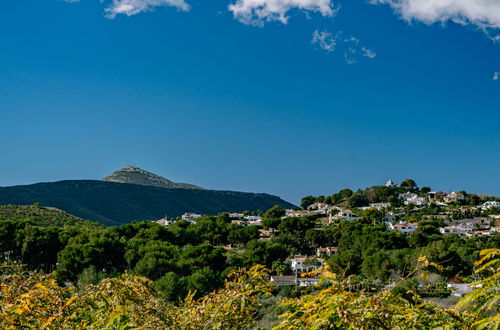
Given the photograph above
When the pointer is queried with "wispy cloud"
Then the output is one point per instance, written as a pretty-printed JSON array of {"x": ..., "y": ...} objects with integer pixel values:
[
  {"x": 324, "y": 40},
  {"x": 485, "y": 14},
  {"x": 350, "y": 46},
  {"x": 258, "y": 12},
  {"x": 132, "y": 7},
  {"x": 496, "y": 76},
  {"x": 368, "y": 52}
]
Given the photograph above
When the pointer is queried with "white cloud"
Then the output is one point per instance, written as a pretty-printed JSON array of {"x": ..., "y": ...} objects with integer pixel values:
[
  {"x": 368, "y": 52},
  {"x": 258, "y": 12},
  {"x": 132, "y": 7},
  {"x": 484, "y": 14},
  {"x": 350, "y": 46},
  {"x": 325, "y": 40},
  {"x": 496, "y": 76}
]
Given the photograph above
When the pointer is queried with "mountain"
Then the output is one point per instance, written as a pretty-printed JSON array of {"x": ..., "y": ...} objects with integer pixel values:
[
  {"x": 112, "y": 203},
  {"x": 135, "y": 175}
]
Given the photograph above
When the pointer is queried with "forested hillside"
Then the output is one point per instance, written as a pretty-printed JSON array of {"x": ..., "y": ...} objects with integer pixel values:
[
  {"x": 113, "y": 203},
  {"x": 37, "y": 215}
]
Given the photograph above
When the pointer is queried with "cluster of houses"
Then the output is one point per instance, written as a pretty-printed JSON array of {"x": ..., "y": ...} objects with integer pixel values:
[
  {"x": 434, "y": 197},
  {"x": 471, "y": 228},
  {"x": 328, "y": 214}
]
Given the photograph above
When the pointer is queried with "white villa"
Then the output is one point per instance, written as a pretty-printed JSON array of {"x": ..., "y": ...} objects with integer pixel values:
[
  {"x": 412, "y": 199},
  {"x": 344, "y": 215},
  {"x": 403, "y": 227},
  {"x": 465, "y": 229},
  {"x": 490, "y": 204},
  {"x": 454, "y": 197},
  {"x": 304, "y": 264},
  {"x": 164, "y": 222}
]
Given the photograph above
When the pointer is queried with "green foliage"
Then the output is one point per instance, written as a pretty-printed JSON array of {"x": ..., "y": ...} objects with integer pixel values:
[
  {"x": 30, "y": 300},
  {"x": 409, "y": 184},
  {"x": 307, "y": 201},
  {"x": 89, "y": 275},
  {"x": 485, "y": 299},
  {"x": 275, "y": 212},
  {"x": 34, "y": 300},
  {"x": 37, "y": 215}
]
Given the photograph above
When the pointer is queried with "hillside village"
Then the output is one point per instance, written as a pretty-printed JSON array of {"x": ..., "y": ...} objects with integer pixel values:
[
  {"x": 459, "y": 214},
  {"x": 462, "y": 217}
]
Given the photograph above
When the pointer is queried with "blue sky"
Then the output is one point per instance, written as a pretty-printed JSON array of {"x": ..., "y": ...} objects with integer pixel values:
[{"x": 289, "y": 97}]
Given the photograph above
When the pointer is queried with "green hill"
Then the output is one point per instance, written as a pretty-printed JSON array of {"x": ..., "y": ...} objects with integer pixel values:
[
  {"x": 113, "y": 203},
  {"x": 42, "y": 216}
]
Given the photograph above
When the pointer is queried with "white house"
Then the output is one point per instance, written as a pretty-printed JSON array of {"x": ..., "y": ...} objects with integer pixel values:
[
  {"x": 407, "y": 195},
  {"x": 345, "y": 215},
  {"x": 490, "y": 204},
  {"x": 460, "y": 230},
  {"x": 303, "y": 213},
  {"x": 415, "y": 201},
  {"x": 461, "y": 289},
  {"x": 411, "y": 198},
  {"x": 454, "y": 197},
  {"x": 403, "y": 227},
  {"x": 164, "y": 222},
  {"x": 191, "y": 217},
  {"x": 253, "y": 218},
  {"x": 307, "y": 281},
  {"x": 304, "y": 264},
  {"x": 389, "y": 217},
  {"x": 380, "y": 206},
  {"x": 328, "y": 251},
  {"x": 322, "y": 208},
  {"x": 236, "y": 215}
]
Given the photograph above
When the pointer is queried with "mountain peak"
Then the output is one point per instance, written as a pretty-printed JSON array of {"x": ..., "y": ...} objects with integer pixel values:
[{"x": 136, "y": 175}]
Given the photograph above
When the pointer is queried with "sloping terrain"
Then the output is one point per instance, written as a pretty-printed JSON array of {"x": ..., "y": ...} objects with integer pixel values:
[
  {"x": 42, "y": 216},
  {"x": 113, "y": 203}
]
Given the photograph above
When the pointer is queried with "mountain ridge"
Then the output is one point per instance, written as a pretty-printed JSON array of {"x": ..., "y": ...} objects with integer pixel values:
[{"x": 112, "y": 203}]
